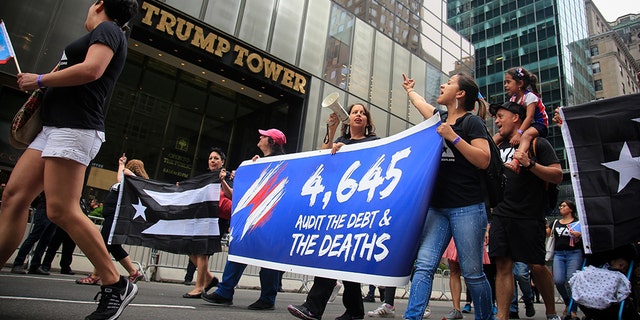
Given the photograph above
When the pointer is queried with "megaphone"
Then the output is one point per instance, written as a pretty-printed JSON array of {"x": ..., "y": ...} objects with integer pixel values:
[{"x": 331, "y": 102}]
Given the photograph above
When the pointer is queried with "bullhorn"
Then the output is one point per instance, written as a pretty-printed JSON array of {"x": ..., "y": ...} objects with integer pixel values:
[{"x": 331, "y": 102}]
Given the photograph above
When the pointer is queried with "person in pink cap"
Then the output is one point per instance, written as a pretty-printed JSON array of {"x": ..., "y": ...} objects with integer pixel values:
[{"x": 271, "y": 144}]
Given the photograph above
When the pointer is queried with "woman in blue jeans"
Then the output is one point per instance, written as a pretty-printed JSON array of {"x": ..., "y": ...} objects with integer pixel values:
[
  {"x": 457, "y": 206},
  {"x": 568, "y": 254}
]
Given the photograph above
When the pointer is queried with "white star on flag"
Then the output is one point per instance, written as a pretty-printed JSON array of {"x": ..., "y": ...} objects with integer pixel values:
[
  {"x": 139, "y": 210},
  {"x": 627, "y": 166}
]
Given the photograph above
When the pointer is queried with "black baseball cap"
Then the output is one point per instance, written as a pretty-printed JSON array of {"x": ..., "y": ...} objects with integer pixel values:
[{"x": 510, "y": 106}]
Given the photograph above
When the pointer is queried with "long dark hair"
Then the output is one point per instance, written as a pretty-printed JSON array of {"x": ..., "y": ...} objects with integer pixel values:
[
  {"x": 369, "y": 130},
  {"x": 121, "y": 11},
  {"x": 470, "y": 87},
  {"x": 529, "y": 80},
  {"x": 572, "y": 206}
]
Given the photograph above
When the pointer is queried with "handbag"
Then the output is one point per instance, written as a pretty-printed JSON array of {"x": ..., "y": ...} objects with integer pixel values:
[
  {"x": 26, "y": 123},
  {"x": 551, "y": 244}
]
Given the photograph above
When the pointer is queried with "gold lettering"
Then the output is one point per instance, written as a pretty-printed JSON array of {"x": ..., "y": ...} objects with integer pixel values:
[
  {"x": 254, "y": 57},
  {"x": 287, "y": 77},
  {"x": 242, "y": 52},
  {"x": 271, "y": 69},
  {"x": 223, "y": 47},
  {"x": 151, "y": 11},
  {"x": 201, "y": 42},
  {"x": 299, "y": 83},
  {"x": 181, "y": 32},
  {"x": 167, "y": 22}
]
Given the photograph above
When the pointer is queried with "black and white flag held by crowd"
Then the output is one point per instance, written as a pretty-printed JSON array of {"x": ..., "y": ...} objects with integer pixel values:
[
  {"x": 602, "y": 139},
  {"x": 180, "y": 218}
]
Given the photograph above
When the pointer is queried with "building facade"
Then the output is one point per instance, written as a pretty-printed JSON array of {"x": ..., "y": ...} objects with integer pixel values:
[
  {"x": 614, "y": 67},
  {"x": 547, "y": 37},
  {"x": 205, "y": 73}
]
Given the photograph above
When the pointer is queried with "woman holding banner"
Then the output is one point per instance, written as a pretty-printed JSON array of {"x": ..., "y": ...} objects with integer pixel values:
[
  {"x": 271, "y": 143},
  {"x": 205, "y": 279},
  {"x": 359, "y": 129},
  {"x": 457, "y": 206}
]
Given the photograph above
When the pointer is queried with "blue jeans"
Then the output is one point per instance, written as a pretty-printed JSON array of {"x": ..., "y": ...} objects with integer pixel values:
[
  {"x": 522, "y": 279},
  {"x": 565, "y": 263},
  {"x": 269, "y": 282},
  {"x": 467, "y": 225}
]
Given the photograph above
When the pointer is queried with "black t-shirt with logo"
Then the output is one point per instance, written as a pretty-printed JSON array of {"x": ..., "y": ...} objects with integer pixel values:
[
  {"x": 84, "y": 106},
  {"x": 458, "y": 181},
  {"x": 525, "y": 195}
]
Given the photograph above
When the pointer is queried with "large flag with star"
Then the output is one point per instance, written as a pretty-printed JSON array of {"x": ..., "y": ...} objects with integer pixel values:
[
  {"x": 355, "y": 215},
  {"x": 179, "y": 218},
  {"x": 602, "y": 139}
]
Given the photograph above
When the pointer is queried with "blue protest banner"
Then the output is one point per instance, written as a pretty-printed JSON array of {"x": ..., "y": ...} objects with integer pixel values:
[{"x": 356, "y": 215}]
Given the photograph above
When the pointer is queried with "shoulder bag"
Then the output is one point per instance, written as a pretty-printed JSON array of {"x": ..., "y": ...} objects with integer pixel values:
[{"x": 551, "y": 243}]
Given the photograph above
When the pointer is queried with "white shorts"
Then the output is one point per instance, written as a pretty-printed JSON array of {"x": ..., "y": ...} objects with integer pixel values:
[{"x": 80, "y": 145}]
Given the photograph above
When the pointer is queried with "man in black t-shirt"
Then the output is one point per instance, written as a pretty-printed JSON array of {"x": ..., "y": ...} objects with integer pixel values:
[{"x": 517, "y": 231}]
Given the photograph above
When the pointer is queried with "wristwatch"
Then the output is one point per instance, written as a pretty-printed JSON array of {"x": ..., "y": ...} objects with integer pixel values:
[{"x": 532, "y": 163}]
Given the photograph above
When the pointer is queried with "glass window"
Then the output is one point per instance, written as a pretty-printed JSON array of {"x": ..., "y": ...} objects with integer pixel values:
[
  {"x": 284, "y": 39},
  {"x": 311, "y": 54},
  {"x": 380, "y": 120},
  {"x": 597, "y": 85},
  {"x": 396, "y": 124},
  {"x": 595, "y": 67},
  {"x": 594, "y": 51},
  {"x": 338, "y": 50},
  {"x": 401, "y": 62},
  {"x": 361, "y": 62},
  {"x": 419, "y": 75},
  {"x": 381, "y": 71},
  {"x": 191, "y": 7},
  {"x": 256, "y": 22},
  {"x": 223, "y": 14}
]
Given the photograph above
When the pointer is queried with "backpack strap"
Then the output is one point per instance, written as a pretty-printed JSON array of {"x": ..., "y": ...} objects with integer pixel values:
[{"x": 553, "y": 228}]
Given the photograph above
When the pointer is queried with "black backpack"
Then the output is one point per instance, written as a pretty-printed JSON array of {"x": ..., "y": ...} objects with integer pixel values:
[{"x": 492, "y": 179}]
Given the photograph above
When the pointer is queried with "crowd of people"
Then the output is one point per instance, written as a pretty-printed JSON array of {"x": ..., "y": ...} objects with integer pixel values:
[{"x": 487, "y": 247}]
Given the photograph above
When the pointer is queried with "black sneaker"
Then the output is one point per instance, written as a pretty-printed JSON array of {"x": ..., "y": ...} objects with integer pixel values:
[
  {"x": 513, "y": 315},
  {"x": 301, "y": 312},
  {"x": 369, "y": 298},
  {"x": 346, "y": 316},
  {"x": 216, "y": 299},
  {"x": 530, "y": 310},
  {"x": 113, "y": 300},
  {"x": 261, "y": 305}
]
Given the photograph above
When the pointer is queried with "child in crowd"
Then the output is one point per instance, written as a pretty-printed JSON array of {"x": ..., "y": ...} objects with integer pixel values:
[{"x": 521, "y": 85}]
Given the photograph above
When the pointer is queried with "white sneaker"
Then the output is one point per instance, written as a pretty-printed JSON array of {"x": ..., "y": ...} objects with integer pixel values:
[
  {"x": 384, "y": 311},
  {"x": 335, "y": 291},
  {"x": 427, "y": 313}
]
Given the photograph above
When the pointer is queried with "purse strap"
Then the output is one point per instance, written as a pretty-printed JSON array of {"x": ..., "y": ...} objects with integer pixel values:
[{"x": 553, "y": 228}]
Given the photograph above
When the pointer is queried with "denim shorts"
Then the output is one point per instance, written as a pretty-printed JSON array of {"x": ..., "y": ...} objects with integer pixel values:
[{"x": 80, "y": 145}]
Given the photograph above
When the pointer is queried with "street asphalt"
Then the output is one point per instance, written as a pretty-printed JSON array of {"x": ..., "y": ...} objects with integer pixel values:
[{"x": 58, "y": 297}]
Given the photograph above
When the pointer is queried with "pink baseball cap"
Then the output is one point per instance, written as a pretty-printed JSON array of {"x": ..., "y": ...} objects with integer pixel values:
[{"x": 275, "y": 134}]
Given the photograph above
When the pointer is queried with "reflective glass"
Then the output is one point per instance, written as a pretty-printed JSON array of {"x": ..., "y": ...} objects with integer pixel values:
[
  {"x": 361, "y": 62},
  {"x": 223, "y": 14},
  {"x": 381, "y": 71},
  {"x": 338, "y": 50},
  {"x": 256, "y": 22},
  {"x": 286, "y": 31},
  {"x": 191, "y": 7},
  {"x": 315, "y": 31},
  {"x": 401, "y": 60}
]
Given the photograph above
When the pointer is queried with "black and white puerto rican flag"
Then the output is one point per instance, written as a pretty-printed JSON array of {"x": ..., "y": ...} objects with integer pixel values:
[
  {"x": 603, "y": 147},
  {"x": 180, "y": 219}
]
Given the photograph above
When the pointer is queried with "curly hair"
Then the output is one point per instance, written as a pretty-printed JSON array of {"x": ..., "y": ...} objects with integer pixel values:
[{"x": 137, "y": 167}]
